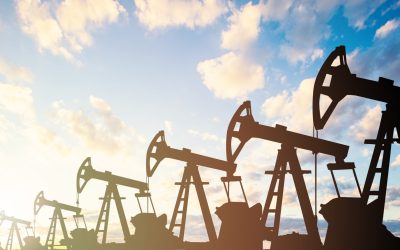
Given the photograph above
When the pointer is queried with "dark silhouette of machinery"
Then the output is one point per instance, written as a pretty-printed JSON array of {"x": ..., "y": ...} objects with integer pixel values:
[
  {"x": 286, "y": 162},
  {"x": 356, "y": 223},
  {"x": 40, "y": 201},
  {"x": 33, "y": 243},
  {"x": 159, "y": 150},
  {"x": 241, "y": 227},
  {"x": 151, "y": 233},
  {"x": 14, "y": 229},
  {"x": 86, "y": 172}
]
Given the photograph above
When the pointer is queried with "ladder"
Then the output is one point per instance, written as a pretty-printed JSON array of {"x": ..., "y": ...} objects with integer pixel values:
[
  {"x": 51, "y": 236},
  {"x": 191, "y": 176},
  {"x": 14, "y": 229},
  {"x": 389, "y": 122},
  {"x": 287, "y": 162},
  {"x": 52, "y": 232},
  {"x": 275, "y": 191},
  {"x": 181, "y": 204},
  {"x": 102, "y": 223},
  {"x": 10, "y": 239},
  {"x": 111, "y": 193}
]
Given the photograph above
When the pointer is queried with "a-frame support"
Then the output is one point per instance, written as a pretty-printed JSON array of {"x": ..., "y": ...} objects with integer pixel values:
[
  {"x": 102, "y": 222},
  {"x": 389, "y": 122},
  {"x": 190, "y": 176},
  {"x": 288, "y": 162},
  {"x": 14, "y": 229},
  {"x": 50, "y": 241}
]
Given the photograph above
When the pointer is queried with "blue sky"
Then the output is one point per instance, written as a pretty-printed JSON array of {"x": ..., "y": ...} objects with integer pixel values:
[{"x": 100, "y": 78}]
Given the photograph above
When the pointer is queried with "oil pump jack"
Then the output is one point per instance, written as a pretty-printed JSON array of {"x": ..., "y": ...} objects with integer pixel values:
[
  {"x": 86, "y": 172},
  {"x": 14, "y": 229},
  {"x": 286, "y": 162},
  {"x": 159, "y": 150},
  {"x": 356, "y": 223},
  {"x": 40, "y": 201}
]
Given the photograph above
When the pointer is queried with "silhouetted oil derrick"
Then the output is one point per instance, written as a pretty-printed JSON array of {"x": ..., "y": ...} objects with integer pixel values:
[
  {"x": 159, "y": 150},
  {"x": 243, "y": 127},
  {"x": 14, "y": 230},
  {"x": 40, "y": 201},
  {"x": 86, "y": 172},
  {"x": 357, "y": 223}
]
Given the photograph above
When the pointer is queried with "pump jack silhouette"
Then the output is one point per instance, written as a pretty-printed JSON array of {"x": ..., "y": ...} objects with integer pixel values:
[
  {"x": 356, "y": 223},
  {"x": 86, "y": 172},
  {"x": 159, "y": 150},
  {"x": 286, "y": 162},
  {"x": 150, "y": 231},
  {"x": 40, "y": 201},
  {"x": 14, "y": 230}
]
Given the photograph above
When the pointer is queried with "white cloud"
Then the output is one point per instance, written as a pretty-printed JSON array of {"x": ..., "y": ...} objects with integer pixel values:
[
  {"x": 17, "y": 113},
  {"x": 304, "y": 24},
  {"x": 99, "y": 104},
  {"x": 64, "y": 29},
  {"x": 168, "y": 126},
  {"x": 104, "y": 132},
  {"x": 256, "y": 157},
  {"x": 234, "y": 75},
  {"x": 48, "y": 137},
  {"x": 5, "y": 126},
  {"x": 156, "y": 14},
  {"x": 14, "y": 73},
  {"x": 295, "y": 55},
  {"x": 351, "y": 58},
  {"x": 26, "y": 140},
  {"x": 393, "y": 193},
  {"x": 387, "y": 28},
  {"x": 36, "y": 21},
  {"x": 292, "y": 108},
  {"x": 18, "y": 118},
  {"x": 316, "y": 54},
  {"x": 205, "y": 136},
  {"x": 231, "y": 76},
  {"x": 77, "y": 18},
  {"x": 102, "y": 108},
  {"x": 396, "y": 162},
  {"x": 367, "y": 127},
  {"x": 357, "y": 12},
  {"x": 243, "y": 28},
  {"x": 17, "y": 100},
  {"x": 276, "y": 9},
  {"x": 304, "y": 27},
  {"x": 366, "y": 152},
  {"x": 295, "y": 109},
  {"x": 381, "y": 59},
  {"x": 290, "y": 197}
]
